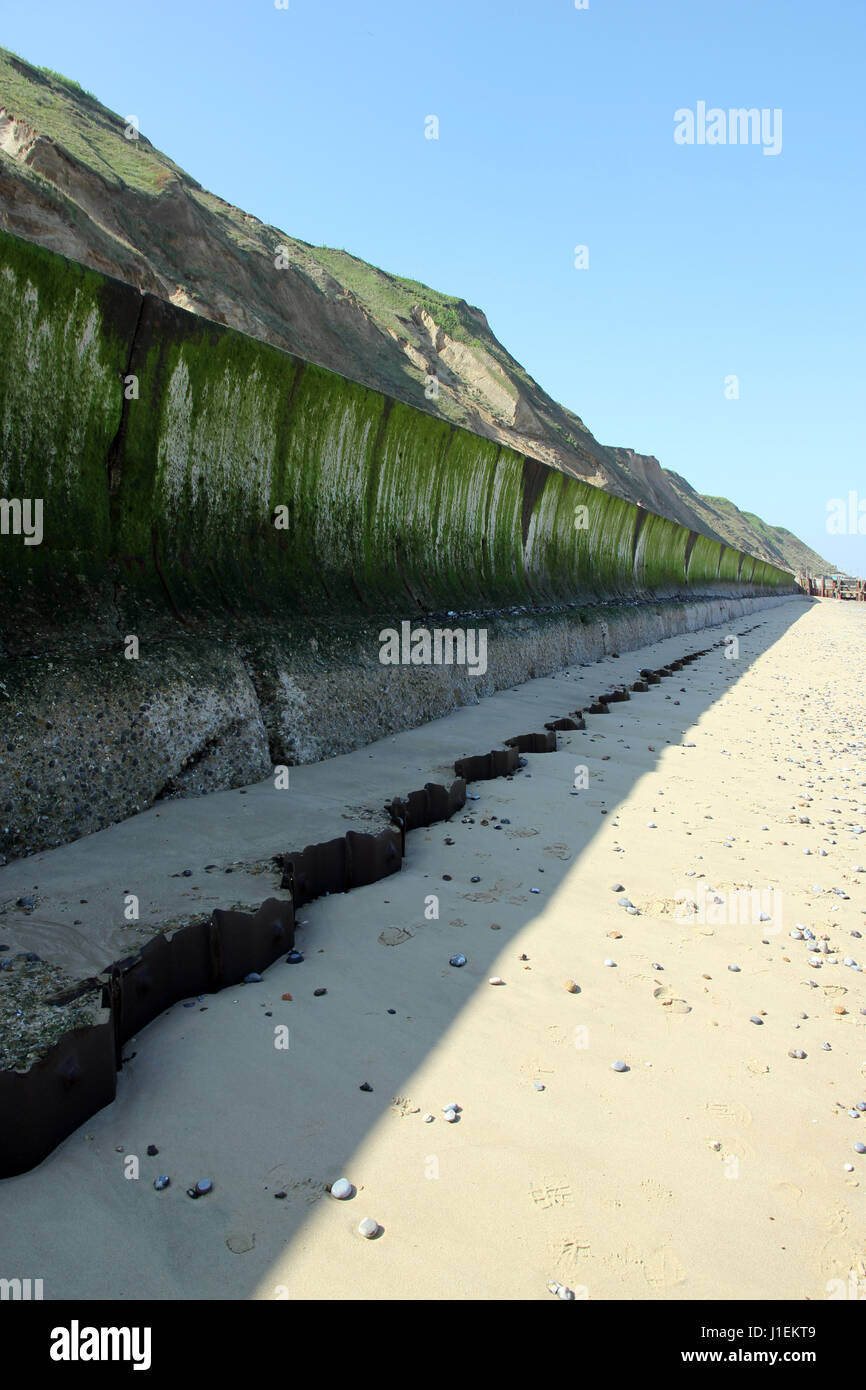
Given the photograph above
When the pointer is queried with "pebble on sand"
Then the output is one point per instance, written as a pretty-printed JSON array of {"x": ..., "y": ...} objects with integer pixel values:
[
  {"x": 571, "y": 986},
  {"x": 496, "y": 980},
  {"x": 560, "y": 1290},
  {"x": 342, "y": 1189},
  {"x": 619, "y": 1066},
  {"x": 368, "y": 1228}
]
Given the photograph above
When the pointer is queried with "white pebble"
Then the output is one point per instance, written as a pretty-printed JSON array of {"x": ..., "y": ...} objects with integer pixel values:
[
  {"x": 608, "y": 961},
  {"x": 496, "y": 980},
  {"x": 368, "y": 1227},
  {"x": 341, "y": 1189}
]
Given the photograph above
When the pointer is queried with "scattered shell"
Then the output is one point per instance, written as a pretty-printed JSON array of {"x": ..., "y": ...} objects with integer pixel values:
[
  {"x": 368, "y": 1228},
  {"x": 571, "y": 986},
  {"x": 797, "y": 1052},
  {"x": 617, "y": 888},
  {"x": 365, "y": 1086},
  {"x": 539, "y": 1085},
  {"x": 754, "y": 1019},
  {"x": 288, "y": 996},
  {"x": 655, "y": 966},
  {"x": 428, "y": 1118},
  {"x": 341, "y": 1189},
  {"x": 560, "y": 1290},
  {"x": 735, "y": 968}
]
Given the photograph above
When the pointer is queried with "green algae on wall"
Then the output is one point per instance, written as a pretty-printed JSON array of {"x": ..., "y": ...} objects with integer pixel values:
[
  {"x": 65, "y": 334},
  {"x": 238, "y": 477}
]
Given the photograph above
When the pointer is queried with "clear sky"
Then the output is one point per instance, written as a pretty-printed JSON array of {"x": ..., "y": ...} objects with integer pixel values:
[{"x": 556, "y": 129}]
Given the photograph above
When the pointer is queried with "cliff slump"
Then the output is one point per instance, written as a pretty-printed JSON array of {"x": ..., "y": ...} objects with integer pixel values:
[{"x": 255, "y": 520}]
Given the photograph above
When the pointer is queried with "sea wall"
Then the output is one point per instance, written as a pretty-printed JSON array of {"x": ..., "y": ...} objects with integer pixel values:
[{"x": 254, "y": 522}]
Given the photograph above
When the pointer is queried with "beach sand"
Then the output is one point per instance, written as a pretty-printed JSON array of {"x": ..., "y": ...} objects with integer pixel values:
[{"x": 712, "y": 1168}]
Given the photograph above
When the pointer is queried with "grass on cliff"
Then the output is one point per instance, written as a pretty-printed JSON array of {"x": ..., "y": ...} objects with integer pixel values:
[{"x": 51, "y": 104}]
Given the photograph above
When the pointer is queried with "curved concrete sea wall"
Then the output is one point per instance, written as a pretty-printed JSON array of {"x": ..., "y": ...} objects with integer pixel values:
[{"x": 255, "y": 521}]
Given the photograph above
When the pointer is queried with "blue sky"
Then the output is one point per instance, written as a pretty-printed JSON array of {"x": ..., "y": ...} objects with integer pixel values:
[{"x": 556, "y": 129}]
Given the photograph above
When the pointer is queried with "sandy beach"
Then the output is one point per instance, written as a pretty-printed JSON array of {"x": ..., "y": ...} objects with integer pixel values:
[{"x": 717, "y": 1165}]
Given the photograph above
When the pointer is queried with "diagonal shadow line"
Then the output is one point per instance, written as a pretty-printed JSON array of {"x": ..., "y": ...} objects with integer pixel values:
[{"x": 403, "y": 1064}]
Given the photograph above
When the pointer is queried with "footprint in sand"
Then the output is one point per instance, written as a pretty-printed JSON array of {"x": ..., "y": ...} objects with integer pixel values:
[
  {"x": 662, "y": 1269},
  {"x": 734, "y": 1112},
  {"x": 833, "y": 991},
  {"x": 569, "y": 1251},
  {"x": 557, "y": 1035},
  {"x": 394, "y": 936},
  {"x": 551, "y": 1193},
  {"x": 788, "y": 1190},
  {"x": 557, "y": 851},
  {"x": 656, "y": 1191},
  {"x": 666, "y": 997}
]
